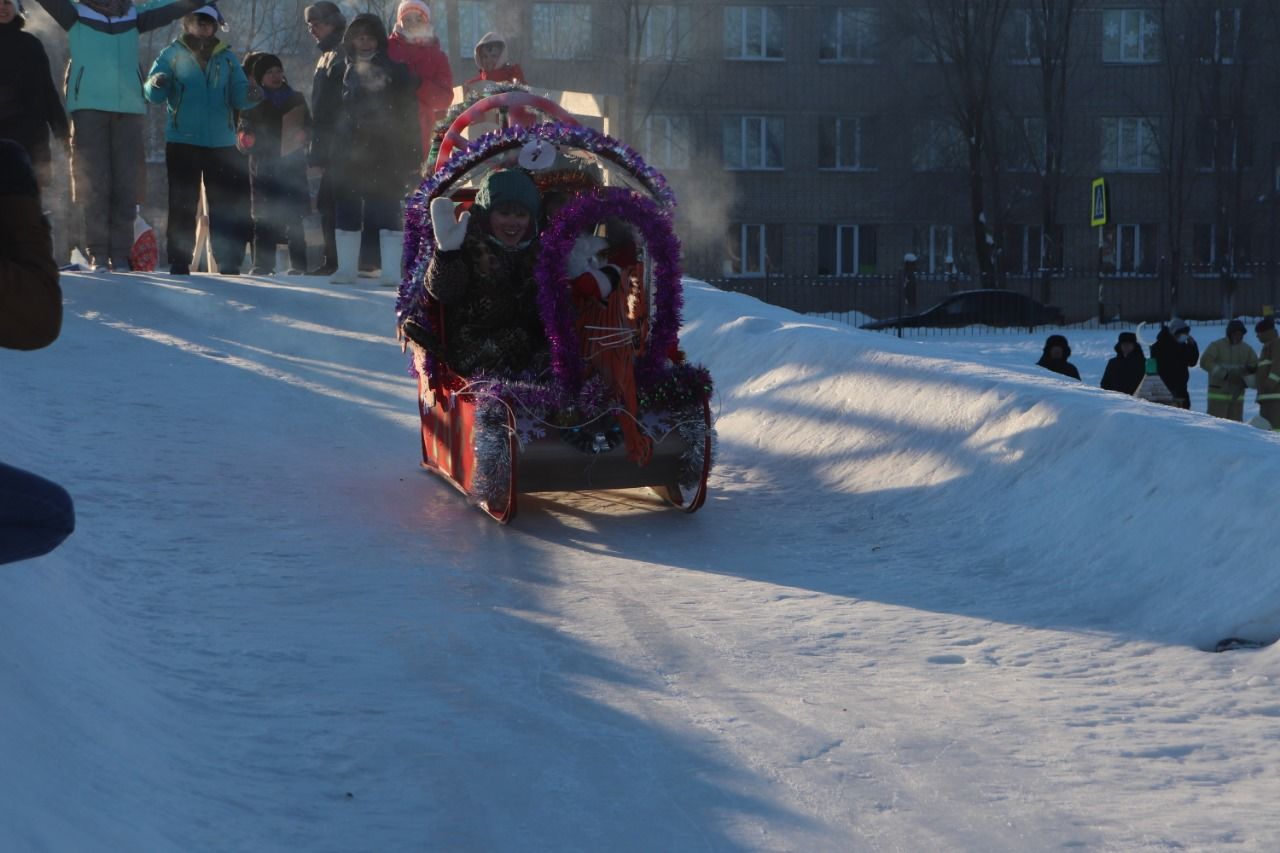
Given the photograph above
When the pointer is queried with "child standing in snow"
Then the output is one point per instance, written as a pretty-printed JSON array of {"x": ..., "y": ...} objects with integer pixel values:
[
  {"x": 275, "y": 137},
  {"x": 413, "y": 42},
  {"x": 491, "y": 59}
]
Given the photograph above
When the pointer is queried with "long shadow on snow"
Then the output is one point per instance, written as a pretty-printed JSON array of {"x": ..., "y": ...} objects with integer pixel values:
[
  {"x": 999, "y": 533},
  {"x": 311, "y": 625}
]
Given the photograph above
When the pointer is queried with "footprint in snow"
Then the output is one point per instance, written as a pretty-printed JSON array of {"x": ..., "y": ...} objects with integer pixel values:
[{"x": 948, "y": 659}]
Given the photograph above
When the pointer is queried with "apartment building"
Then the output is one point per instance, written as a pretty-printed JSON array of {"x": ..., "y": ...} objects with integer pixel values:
[{"x": 821, "y": 138}]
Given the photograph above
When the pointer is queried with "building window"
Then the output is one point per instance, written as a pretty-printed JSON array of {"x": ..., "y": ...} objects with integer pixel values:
[
  {"x": 751, "y": 250},
  {"x": 848, "y": 35},
  {"x": 561, "y": 30},
  {"x": 1226, "y": 35},
  {"x": 475, "y": 18},
  {"x": 1022, "y": 37},
  {"x": 929, "y": 50},
  {"x": 753, "y": 142},
  {"x": 846, "y": 250},
  {"x": 1025, "y": 249},
  {"x": 663, "y": 33},
  {"x": 1130, "y": 35},
  {"x": 1129, "y": 145},
  {"x": 841, "y": 143},
  {"x": 1214, "y": 250},
  {"x": 938, "y": 147},
  {"x": 440, "y": 23},
  {"x": 935, "y": 248},
  {"x": 1233, "y": 137},
  {"x": 752, "y": 32},
  {"x": 1023, "y": 143},
  {"x": 1127, "y": 249},
  {"x": 665, "y": 141}
]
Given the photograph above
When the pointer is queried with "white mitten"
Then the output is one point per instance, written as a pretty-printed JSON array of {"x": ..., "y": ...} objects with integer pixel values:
[
  {"x": 585, "y": 254},
  {"x": 449, "y": 231}
]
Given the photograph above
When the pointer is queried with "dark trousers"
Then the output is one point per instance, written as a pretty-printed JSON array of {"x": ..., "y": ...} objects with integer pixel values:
[
  {"x": 105, "y": 160},
  {"x": 279, "y": 205},
  {"x": 370, "y": 210},
  {"x": 226, "y": 184},
  {"x": 35, "y": 515},
  {"x": 269, "y": 233},
  {"x": 324, "y": 205}
]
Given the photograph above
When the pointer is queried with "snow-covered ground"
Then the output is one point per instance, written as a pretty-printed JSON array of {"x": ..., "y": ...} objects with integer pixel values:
[{"x": 938, "y": 599}]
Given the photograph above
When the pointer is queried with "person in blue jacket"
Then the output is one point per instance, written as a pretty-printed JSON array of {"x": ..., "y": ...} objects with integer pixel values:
[
  {"x": 203, "y": 85},
  {"x": 104, "y": 98}
]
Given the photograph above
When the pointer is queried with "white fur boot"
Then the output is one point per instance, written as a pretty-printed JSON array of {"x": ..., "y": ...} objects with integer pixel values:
[
  {"x": 348, "y": 245},
  {"x": 392, "y": 245}
]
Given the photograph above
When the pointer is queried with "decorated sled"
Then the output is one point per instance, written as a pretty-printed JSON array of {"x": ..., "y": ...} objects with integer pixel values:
[{"x": 623, "y": 409}]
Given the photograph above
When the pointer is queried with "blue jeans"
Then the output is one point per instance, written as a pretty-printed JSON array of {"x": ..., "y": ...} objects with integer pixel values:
[{"x": 35, "y": 515}]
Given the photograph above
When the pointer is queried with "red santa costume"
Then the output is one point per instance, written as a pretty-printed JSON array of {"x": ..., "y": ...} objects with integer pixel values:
[
  {"x": 413, "y": 43},
  {"x": 612, "y": 318}
]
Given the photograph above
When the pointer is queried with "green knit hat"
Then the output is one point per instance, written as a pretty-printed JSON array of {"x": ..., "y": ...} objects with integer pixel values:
[{"x": 508, "y": 185}]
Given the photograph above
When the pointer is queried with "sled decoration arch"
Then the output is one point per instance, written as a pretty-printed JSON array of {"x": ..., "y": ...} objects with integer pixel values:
[
  {"x": 453, "y": 137},
  {"x": 653, "y": 224}
]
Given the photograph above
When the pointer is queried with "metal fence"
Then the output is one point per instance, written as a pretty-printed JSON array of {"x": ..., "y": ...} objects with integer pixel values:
[{"x": 1086, "y": 299}]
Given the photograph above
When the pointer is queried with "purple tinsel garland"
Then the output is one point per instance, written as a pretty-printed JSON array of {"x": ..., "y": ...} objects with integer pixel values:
[
  {"x": 419, "y": 237},
  {"x": 582, "y": 213}
]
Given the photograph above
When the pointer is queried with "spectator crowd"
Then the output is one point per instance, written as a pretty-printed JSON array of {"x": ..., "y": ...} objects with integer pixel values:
[
  {"x": 242, "y": 146},
  {"x": 1232, "y": 365}
]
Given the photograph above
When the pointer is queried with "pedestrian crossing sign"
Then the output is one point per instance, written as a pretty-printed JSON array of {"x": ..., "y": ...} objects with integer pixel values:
[{"x": 1101, "y": 206}]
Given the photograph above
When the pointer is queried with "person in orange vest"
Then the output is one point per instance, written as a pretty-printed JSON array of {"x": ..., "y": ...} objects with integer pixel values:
[
  {"x": 1268, "y": 374},
  {"x": 1228, "y": 361}
]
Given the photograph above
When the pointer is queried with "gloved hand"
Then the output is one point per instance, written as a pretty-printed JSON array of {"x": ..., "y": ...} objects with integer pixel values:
[
  {"x": 159, "y": 80},
  {"x": 449, "y": 231},
  {"x": 597, "y": 282},
  {"x": 245, "y": 141}
]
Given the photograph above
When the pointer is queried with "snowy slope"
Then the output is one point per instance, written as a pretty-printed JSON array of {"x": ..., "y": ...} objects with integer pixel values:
[{"x": 938, "y": 599}]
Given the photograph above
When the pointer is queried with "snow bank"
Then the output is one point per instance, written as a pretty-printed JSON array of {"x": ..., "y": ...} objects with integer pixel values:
[{"x": 1079, "y": 507}]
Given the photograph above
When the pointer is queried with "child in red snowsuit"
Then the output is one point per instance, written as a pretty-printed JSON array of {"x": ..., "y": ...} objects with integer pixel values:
[
  {"x": 413, "y": 43},
  {"x": 491, "y": 59}
]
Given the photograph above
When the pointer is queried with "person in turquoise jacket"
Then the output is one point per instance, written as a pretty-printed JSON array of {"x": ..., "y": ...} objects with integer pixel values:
[
  {"x": 203, "y": 85},
  {"x": 104, "y": 98}
]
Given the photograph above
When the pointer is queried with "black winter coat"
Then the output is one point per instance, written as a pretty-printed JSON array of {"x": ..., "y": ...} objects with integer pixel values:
[
  {"x": 1124, "y": 373},
  {"x": 29, "y": 103},
  {"x": 1174, "y": 361},
  {"x": 372, "y": 129},
  {"x": 1060, "y": 365},
  {"x": 285, "y": 178},
  {"x": 326, "y": 96}
]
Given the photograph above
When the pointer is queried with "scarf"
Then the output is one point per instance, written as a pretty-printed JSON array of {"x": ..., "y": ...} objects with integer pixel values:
[
  {"x": 202, "y": 48},
  {"x": 278, "y": 97},
  {"x": 109, "y": 8}
]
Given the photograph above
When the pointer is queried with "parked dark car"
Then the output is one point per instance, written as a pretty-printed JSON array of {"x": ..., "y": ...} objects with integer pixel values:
[{"x": 979, "y": 307}]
